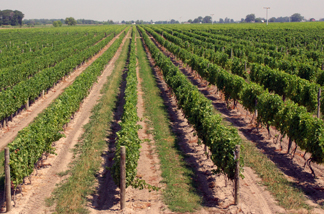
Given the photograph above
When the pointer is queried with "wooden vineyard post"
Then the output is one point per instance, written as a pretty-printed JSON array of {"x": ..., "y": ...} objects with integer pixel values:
[
  {"x": 256, "y": 110},
  {"x": 237, "y": 175},
  {"x": 244, "y": 65},
  {"x": 27, "y": 104},
  {"x": 319, "y": 103},
  {"x": 7, "y": 181},
  {"x": 43, "y": 94},
  {"x": 206, "y": 151},
  {"x": 122, "y": 177}
]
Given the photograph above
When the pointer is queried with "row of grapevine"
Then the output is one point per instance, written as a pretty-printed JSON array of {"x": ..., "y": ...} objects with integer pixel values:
[
  {"x": 306, "y": 65},
  {"x": 39, "y": 40},
  {"x": 12, "y": 75},
  {"x": 14, "y": 98},
  {"x": 37, "y": 138},
  {"x": 27, "y": 51},
  {"x": 128, "y": 134},
  {"x": 308, "y": 35},
  {"x": 297, "y": 89},
  {"x": 199, "y": 111},
  {"x": 289, "y": 118}
]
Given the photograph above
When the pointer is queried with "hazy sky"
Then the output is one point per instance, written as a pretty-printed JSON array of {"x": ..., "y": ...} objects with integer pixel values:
[{"x": 156, "y": 10}]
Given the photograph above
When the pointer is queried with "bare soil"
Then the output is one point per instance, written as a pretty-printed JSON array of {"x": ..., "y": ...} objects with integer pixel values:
[
  {"x": 291, "y": 165},
  {"x": 23, "y": 119},
  {"x": 148, "y": 169},
  {"x": 216, "y": 191},
  {"x": 34, "y": 193}
]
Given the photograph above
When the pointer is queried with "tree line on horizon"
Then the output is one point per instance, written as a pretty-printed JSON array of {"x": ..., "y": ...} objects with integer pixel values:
[
  {"x": 10, "y": 17},
  {"x": 14, "y": 18},
  {"x": 296, "y": 17}
]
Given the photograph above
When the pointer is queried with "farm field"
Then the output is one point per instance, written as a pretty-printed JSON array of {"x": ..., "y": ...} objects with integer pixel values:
[{"x": 182, "y": 99}]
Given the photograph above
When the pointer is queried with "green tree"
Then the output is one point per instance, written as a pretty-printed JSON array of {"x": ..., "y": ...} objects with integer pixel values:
[
  {"x": 250, "y": 18},
  {"x": 258, "y": 20},
  {"x": 9, "y": 17},
  {"x": 221, "y": 20},
  {"x": 207, "y": 19},
  {"x": 296, "y": 17},
  {"x": 18, "y": 16},
  {"x": 70, "y": 21},
  {"x": 57, "y": 23},
  {"x": 273, "y": 19}
]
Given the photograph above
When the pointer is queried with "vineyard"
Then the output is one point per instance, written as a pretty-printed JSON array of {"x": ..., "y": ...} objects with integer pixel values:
[{"x": 212, "y": 119}]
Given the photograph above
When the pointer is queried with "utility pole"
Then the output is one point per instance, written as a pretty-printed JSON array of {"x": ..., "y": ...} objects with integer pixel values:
[
  {"x": 212, "y": 18},
  {"x": 267, "y": 8}
]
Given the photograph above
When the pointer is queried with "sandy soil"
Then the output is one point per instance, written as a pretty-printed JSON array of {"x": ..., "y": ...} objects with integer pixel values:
[
  {"x": 291, "y": 166},
  {"x": 218, "y": 197},
  {"x": 137, "y": 201},
  {"x": 43, "y": 182},
  {"x": 20, "y": 121}
]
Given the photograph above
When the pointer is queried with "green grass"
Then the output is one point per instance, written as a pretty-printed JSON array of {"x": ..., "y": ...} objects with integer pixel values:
[
  {"x": 287, "y": 195},
  {"x": 180, "y": 193},
  {"x": 70, "y": 196}
]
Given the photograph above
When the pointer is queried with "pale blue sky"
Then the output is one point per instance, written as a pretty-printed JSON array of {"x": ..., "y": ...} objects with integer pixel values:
[{"x": 156, "y": 10}]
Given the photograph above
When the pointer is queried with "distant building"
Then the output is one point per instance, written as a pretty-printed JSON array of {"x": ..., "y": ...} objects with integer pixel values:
[{"x": 312, "y": 20}]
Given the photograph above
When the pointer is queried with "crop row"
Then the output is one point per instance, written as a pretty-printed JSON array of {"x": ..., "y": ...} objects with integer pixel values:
[
  {"x": 220, "y": 139},
  {"x": 14, "y": 98},
  {"x": 37, "y": 138},
  {"x": 289, "y": 118},
  {"x": 128, "y": 134},
  {"x": 12, "y": 75},
  {"x": 289, "y": 86}
]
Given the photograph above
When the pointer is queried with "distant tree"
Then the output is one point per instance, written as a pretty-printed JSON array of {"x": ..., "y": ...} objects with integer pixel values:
[
  {"x": 111, "y": 22},
  {"x": 9, "y": 17},
  {"x": 221, "y": 20},
  {"x": 322, "y": 20},
  {"x": 258, "y": 20},
  {"x": 273, "y": 19},
  {"x": 70, "y": 21},
  {"x": 57, "y": 23},
  {"x": 232, "y": 20},
  {"x": 190, "y": 20},
  {"x": 250, "y": 18},
  {"x": 242, "y": 20},
  {"x": 296, "y": 17},
  {"x": 282, "y": 19},
  {"x": 207, "y": 19}
]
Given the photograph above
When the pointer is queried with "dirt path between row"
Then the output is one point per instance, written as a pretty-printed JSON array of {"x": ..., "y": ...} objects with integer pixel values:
[
  {"x": 9, "y": 133},
  {"x": 137, "y": 201},
  {"x": 292, "y": 167},
  {"x": 44, "y": 182},
  {"x": 216, "y": 191}
]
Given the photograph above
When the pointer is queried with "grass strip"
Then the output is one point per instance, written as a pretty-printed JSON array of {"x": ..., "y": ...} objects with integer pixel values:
[
  {"x": 285, "y": 192},
  {"x": 180, "y": 193},
  {"x": 70, "y": 196}
]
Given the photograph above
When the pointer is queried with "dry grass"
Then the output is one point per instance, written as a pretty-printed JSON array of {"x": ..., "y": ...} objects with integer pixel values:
[{"x": 70, "y": 196}]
